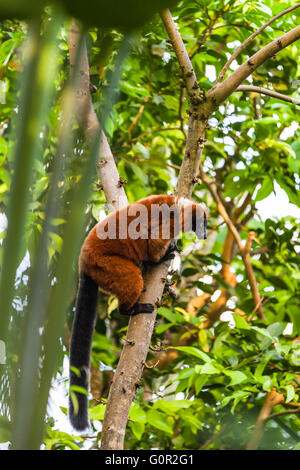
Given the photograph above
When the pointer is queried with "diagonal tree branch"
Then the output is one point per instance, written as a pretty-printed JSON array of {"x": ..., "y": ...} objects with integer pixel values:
[
  {"x": 272, "y": 399},
  {"x": 265, "y": 91},
  {"x": 140, "y": 327},
  {"x": 221, "y": 91},
  {"x": 246, "y": 42},
  {"x": 244, "y": 250}
]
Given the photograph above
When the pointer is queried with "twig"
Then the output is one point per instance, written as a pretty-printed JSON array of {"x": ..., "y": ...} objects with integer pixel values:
[
  {"x": 281, "y": 413},
  {"x": 172, "y": 165},
  {"x": 207, "y": 32},
  {"x": 253, "y": 35},
  {"x": 265, "y": 91},
  {"x": 245, "y": 255},
  {"x": 272, "y": 399},
  {"x": 140, "y": 111}
]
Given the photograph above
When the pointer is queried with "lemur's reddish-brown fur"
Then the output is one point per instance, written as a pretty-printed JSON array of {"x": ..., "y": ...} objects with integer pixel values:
[{"x": 115, "y": 266}]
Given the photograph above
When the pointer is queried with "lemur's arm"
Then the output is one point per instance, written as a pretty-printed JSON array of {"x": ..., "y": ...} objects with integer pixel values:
[{"x": 161, "y": 250}]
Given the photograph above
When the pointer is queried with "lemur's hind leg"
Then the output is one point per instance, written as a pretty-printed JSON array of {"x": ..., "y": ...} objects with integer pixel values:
[{"x": 121, "y": 277}]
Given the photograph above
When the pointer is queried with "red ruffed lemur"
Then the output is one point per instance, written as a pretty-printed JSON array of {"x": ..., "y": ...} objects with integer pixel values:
[{"x": 112, "y": 259}]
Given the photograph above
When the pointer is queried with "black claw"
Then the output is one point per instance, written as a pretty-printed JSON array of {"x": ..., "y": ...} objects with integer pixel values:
[
  {"x": 143, "y": 308},
  {"x": 136, "y": 309},
  {"x": 167, "y": 257},
  {"x": 169, "y": 253}
]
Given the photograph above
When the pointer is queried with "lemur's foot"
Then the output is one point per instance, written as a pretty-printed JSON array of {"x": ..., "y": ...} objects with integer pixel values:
[{"x": 136, "y": 309}]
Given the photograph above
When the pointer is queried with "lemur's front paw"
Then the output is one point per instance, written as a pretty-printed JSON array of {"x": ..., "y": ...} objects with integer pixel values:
[
  {"x": 170, "y": 253},
  {"x": 143, "y": 308},
  {"x": 136, "y": 309}
]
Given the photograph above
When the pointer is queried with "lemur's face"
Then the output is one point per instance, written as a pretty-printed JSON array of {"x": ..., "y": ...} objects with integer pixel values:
[{"x": 194, "y": 216}]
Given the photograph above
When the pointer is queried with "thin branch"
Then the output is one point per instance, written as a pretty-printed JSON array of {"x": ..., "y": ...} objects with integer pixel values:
[
  {"x": 206, "y": 33},
  {"x": 265, "y": 91},
  {"x": 222, "y": 90},
  {"x": 140, "y": 111},
  {"x": 253, "y": 35},
  {"x": 272, "y": 399},
  {"x": 281, "y": 413},
  {"x": 244, "y": 254}
]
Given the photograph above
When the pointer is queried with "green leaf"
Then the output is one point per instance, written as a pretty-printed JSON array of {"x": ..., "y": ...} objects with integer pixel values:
[
  {"x": 240, "y": 322},
  {"x": 137, "y": 429},
  {"x": 158, "y": 420},
  {"x": 193, "y": 352},
  {"x": 297, "y": 446},
  {"x": 265, "y": 190},
  {"x": 172, "y": 407},
  {"x": 161, "y": 328},
  {"x": 171, "y": 316},
  {"x": 236, "y": 376},
  {"x": 200, "y": 382},
  {"x": 263, "y": 332},
  {"x": 209, "y": 369},
  {"x": 189, "y": 272},
  {"x": 97, "y": 412},
  {"x": 290, "y": 393},
  {"x": 137, "y": 413}
]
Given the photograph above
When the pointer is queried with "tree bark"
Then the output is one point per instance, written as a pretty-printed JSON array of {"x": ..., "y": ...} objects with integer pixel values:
[{"x": 89, "y": 123}]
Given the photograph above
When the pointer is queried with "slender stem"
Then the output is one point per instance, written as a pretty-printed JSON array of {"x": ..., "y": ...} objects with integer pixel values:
[
  {"x": 244, "y": 254},
  {"x": 265, "y": 91},
  {"x": 284, "y": 412},
  {"x": 253, "y": 35},
  {"x": 272, "y": 399}
]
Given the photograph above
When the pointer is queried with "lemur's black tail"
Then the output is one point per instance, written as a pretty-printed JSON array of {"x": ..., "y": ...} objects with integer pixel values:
[{"x": 80, "y": 351}]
